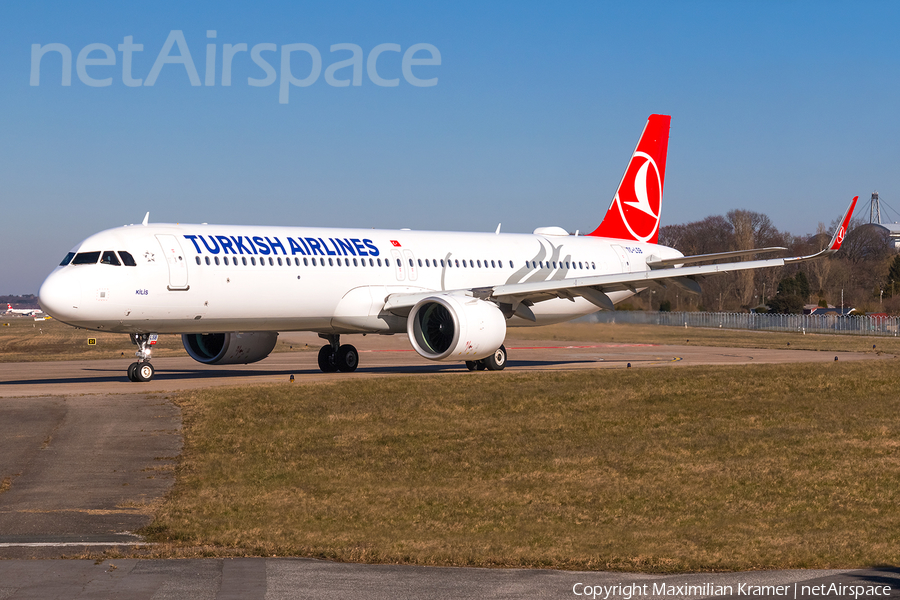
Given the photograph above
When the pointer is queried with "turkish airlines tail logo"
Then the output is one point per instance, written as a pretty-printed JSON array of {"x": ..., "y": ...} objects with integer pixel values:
[{"x": 635, "y": 209}]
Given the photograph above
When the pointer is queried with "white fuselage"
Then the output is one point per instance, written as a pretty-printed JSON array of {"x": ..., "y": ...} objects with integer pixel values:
[{"x": 223, "y": 278}]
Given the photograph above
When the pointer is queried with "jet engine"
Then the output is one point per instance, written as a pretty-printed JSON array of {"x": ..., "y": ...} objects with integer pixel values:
[
  {"x": 229, "y": 348},
  {"x": 447, "y": 327}
]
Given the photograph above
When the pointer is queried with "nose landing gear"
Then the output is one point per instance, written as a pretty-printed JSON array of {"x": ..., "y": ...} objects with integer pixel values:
[{"x": 142, "y": 370}]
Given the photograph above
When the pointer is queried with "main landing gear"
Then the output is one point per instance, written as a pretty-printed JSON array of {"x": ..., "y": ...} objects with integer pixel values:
[
  {"x": 494, "y": 362},
  {"x": 334, "y": 357},
  {"x": 142, "y": 370}
]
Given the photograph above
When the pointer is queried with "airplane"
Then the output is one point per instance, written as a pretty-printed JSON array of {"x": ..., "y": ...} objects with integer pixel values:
[
  {"x": 453, "y": 294},
  {"x": 21, "y": 311}
]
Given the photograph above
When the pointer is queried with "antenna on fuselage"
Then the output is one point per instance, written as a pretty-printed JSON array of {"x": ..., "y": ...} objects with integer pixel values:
[
  {"x": 146, "y": 218},
  {"x": 498, "y": 229}
]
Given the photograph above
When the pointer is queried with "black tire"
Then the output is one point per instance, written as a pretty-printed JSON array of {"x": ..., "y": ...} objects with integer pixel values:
[
  {"x": 497, "y": 360},
  {"x": 471, "y": 365},
  {"x": 144, "y": 372},
  {"x": 327, "y": 360},
  {"x": 479, "y": 365},
  {"x": 347, "y": 359},
  {"x": 132, "y": 368}
]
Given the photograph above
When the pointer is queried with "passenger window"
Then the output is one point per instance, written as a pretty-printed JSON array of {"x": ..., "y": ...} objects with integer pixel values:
[
  {"x": 207, "y": 260},
  {"x": 253, "y": 260},
  {"x": 442, "y": 262},
  {"x": 226, "y": 260},
  {"x": 493, "y": 266},
  {"x": 355, "y": 264},
  {"x": 330, "y": 262},
  {"x": 479, "y": 264},
  {"x": 127, "y": 259},
  {"x": 305, "y": 262},
  {"x": 371, "y": 262},
  {"x": 594, "y": 266},
  {"x": 198, "y": 259},
  {"x": 217, "y": 260},
  {"x": 86, "y": 258},
  {"x": 279, "y": 262},
  {"x": 511, "y": 265},
  {"x": 387, "y": 262},
  {"x": 244, "y": 260}
]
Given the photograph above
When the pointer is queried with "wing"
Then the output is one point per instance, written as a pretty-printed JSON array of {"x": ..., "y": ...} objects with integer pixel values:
[{"x": 596, "y": 288}]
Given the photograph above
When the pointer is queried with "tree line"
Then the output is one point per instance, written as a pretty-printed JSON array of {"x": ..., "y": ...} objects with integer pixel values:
[{"x": 864, "y": 274}]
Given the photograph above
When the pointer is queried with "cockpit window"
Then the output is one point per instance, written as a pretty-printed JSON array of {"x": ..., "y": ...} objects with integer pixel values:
[
  {"x": 127, "y": 259},
  {"x": 67, "y": 259},
  {"x": 109, "y": 258},
  {"x": 86, "y": 258}
]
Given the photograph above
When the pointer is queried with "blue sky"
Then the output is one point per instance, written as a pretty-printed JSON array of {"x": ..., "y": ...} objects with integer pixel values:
[{"x": 786, "y": 108}]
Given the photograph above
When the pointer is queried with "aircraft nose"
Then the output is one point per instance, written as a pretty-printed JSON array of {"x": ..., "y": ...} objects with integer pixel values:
[{"x": 60, "y": 296}]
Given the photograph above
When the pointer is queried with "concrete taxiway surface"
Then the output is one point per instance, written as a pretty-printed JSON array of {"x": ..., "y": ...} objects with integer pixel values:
[
  {"x": 277, "y": 579},
  {"x": 379, "y": 356},
  {"x": 81, "y": 471}
]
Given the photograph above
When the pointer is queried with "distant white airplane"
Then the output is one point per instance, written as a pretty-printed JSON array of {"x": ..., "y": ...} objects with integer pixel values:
[
  {"x": 229, "y": 289},
  {"x": 21, "y": 311}
]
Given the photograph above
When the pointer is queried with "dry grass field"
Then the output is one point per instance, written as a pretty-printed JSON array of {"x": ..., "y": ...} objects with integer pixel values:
[
  {"x": 24, "y": 340},
  {"x": 703, "y": 336},
  {"x": 662, "y": 470}
]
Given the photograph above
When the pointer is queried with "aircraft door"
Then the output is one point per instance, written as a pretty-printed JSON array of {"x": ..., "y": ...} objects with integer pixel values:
[
  {"x": 411, "y": 263},
  {"x": 398, "y": 265},
  {"x": 178, "y": 273},
  {"x": 622, "y": 254}
]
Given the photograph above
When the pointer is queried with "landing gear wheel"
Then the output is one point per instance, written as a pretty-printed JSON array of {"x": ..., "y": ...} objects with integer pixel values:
[
  {"x": 347, "y": 359},
  {"x": 144, "y": 372},
  {"x": 327, "y": 359},
  {"x": 132, "y": 368},
  {"x": 472, "y": 364},
  {"x": 497, "y": 360}
]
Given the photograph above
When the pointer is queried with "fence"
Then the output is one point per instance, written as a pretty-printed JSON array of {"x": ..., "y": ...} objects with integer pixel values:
[{"x": 829, "y": 323}]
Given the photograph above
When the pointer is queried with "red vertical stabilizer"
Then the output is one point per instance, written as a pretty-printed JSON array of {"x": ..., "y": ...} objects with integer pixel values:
[{"x": 635, "y": 210}]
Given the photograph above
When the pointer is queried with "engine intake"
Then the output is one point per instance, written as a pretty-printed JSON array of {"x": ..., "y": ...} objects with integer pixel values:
[
  {"x": 449, "y": 327},
  {"x": 229, "y": 348}
]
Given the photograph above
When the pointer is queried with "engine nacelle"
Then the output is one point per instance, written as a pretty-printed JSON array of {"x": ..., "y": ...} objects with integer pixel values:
[
  {"x": 229, "y": 348},
  {"x": 449, "y": 327}
]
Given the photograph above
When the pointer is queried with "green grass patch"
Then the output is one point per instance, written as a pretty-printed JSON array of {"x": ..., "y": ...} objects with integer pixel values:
[{"x": 659, "y": 470}]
